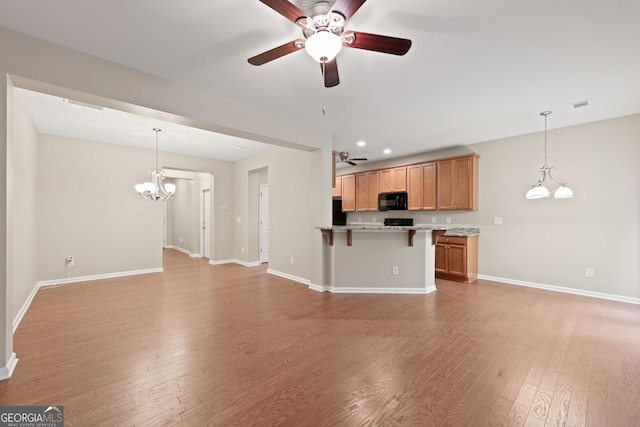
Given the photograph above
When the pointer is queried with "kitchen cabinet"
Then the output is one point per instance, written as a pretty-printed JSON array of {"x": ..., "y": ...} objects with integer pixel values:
[
  {"x": 348, "y": 193},
  {"x": 392, "y": 180},
  {"x": 457, "y": 258},
  {"x": 457, "y": 183},
  {"x": 336, "y": 192},
  {"x": 366, "y": 191},
  {"x": 421, "y": 186}
]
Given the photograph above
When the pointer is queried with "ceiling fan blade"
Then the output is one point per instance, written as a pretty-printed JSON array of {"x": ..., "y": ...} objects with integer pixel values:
[
  {"x": 330, "y": 73},
  {"x": 351, "y": 163},
  {"x": 277, "y": 52},
  {"x": 378, "y": 43},
  {"x": 347, "y": 8},
  {"x": 286, "y": 9},
  {"x": 359, "y": 159}
]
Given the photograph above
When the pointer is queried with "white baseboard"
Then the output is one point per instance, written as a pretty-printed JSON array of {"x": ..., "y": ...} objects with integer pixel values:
[
  {"x": 289, "y": 276},
  {"x": 23, "y": 310},
  {"x": 562, "y": 289},
  {"x": 7, "y": 371},
  {"x": 234, "y": 261},
  {"x": 183, "y": 250},
  {"x": 370, "y": 290},
  {"x": 44, "y": 283},
  {"x": 68, "y": 280}
]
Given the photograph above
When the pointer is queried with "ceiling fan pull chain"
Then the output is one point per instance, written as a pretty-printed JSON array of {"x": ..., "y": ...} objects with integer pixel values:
[{"x": 324, "y": 112}]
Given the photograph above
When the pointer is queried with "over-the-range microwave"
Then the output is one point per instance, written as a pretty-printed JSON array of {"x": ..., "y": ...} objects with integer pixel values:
[{"x": 392, "y": 201}]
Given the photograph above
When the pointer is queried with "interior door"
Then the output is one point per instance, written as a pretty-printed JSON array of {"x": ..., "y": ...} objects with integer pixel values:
[
  {"x": 206, "y": 223},
  {"x": 264, "y": 223}
]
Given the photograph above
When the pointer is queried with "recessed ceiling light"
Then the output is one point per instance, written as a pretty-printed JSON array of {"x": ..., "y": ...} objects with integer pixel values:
[
  {"x": 387, "y": 151},
  {"x": 240, "y": 147},
  {"x": 361, "y": 143}
]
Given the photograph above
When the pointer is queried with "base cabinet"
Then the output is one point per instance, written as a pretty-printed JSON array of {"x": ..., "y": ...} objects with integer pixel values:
[{"x": 457, "y": 258}]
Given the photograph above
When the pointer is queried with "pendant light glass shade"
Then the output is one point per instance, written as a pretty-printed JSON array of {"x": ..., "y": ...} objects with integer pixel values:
[
  {"x": 323, "y": 46},
  {"x": 538, "y": 189}
]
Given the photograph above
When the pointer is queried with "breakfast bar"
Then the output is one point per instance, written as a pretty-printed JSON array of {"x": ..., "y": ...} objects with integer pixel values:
[{"x": 374, "y": 258}]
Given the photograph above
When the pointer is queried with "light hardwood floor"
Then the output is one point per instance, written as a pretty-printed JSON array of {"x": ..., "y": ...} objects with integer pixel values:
[{"x": 226, "y": 345}]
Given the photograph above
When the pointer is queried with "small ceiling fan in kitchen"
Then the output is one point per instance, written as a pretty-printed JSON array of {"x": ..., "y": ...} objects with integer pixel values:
[
  {"x": 323, "y": 28},
  {"x": 343, "y": 157}
]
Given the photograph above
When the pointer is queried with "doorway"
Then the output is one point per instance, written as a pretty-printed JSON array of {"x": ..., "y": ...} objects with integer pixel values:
[
  {"x": 205, "y": 238},
  {"x": 264, "y": 223}
]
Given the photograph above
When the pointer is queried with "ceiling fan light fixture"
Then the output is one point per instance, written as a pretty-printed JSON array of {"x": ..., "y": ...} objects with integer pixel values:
[{"x": 323, "y": 46}]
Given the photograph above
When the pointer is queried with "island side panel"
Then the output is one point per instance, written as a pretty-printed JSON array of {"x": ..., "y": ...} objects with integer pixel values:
[{"x": 367, "y": 265}]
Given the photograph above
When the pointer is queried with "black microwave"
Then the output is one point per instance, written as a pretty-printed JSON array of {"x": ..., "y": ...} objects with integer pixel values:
[{"x": 392, "y": 201}]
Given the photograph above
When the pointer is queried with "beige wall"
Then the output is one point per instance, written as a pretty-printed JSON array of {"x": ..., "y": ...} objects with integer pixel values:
[
  {"x": 292, "y": 213},
  {"x": 24, "y": 184},
  {"x": 550, "y": 242},
  {"x": 27, "y": 62}
]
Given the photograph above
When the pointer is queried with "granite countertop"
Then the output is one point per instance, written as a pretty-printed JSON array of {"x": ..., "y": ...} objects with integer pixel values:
[{"x": 451, "y": 230}]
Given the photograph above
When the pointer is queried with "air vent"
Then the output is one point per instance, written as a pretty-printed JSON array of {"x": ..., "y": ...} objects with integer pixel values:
[
  {"x": 82, "y": 104},
  {"x": 581, "y": 104}
]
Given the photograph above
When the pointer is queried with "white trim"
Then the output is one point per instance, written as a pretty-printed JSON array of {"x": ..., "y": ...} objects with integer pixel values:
[
  {"x": 7, "y": 371},
  {"x": 235, "y": 261},
  {"x": 371, "y": 290},
  {"x": 195, "y": 255},
  {"x": 222, "y": 261},
  {"x": 42, "y": 284},
  {"x": 23, "y": 310},
  {"x": 184, "y": 251},
  {"x": 562, "y": 289},
  {"x": 97, "y": 277},
  {"x": 289, "y": 276}
]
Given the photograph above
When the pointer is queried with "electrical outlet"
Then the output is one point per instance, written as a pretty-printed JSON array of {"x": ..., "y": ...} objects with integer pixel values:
[
  {"x": 590, "y": 272},
  {"x": 497, "y": 220},
  {"x": 394, "y": 270},
  {"x": 374, "y": 219},
  {"x": 433, "y": 220},
  {"x": 70, "y": 261},
  {"x": 292, "y": 260},
  {"x": 448, "y": 220},
  {"x": 241, "y": 250}
]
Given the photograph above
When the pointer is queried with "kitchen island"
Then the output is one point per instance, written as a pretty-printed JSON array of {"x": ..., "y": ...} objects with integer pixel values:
[{"x": 373, "y": 258}]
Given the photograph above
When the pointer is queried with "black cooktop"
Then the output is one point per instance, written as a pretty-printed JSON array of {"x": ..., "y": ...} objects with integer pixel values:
[{"x": 399, "y": 222}]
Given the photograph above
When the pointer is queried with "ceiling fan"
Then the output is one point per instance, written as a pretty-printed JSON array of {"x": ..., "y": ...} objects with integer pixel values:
[
  {"x": 343, "y": 157},
  {"x": 324, "y": 35}
]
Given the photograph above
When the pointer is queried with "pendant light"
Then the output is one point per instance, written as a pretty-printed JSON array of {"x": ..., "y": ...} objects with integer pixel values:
[
  {"x": 154, "y": 189},
  {"x": 538, "y": 189}
]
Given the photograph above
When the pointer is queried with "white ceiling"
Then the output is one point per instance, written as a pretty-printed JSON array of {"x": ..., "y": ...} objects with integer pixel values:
[{"x": 476, "y": 70}]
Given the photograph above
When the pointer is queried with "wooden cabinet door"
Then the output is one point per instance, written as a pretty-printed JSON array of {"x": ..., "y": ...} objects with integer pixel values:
[
  {"x": 457, "y": 260},
  {"x": 385, "y": 181},
  {"x": 372, "y": 191},
  {"x": 414, "y": 187},
  {"x": 367, "y": 191},
  {"x": 337, "y": 190},
  {"x": 428, "y": 186},
  {"x": 446, "y": 184},
  {"x": 399, "y": 179},
  {"x": 463, "y": 190},
  {"x": 457, "y": 183},
  {"x": 392, "y": 180},
  {"x": 348, "y": 193},
  {"x": 441, "y": 258}
]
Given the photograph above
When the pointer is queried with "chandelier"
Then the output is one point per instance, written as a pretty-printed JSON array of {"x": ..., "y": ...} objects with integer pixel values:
[
  {"x": 154, "y": 189},
  {"x": 538, "y": 189}
]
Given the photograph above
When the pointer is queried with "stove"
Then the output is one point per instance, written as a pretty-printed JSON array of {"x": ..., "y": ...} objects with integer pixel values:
[{"x": 399, "y": 222}]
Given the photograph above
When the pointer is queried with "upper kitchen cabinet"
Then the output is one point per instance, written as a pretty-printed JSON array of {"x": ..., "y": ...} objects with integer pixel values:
[
  {"x": 366, "y": 192},
  {"x": 337, "y": 188},
  {"x": 392, "y": 180},
  {"x": 421, "y": 186},
  {"x": 457, "y": 183},
  {"x": 348, "y": 193}
]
